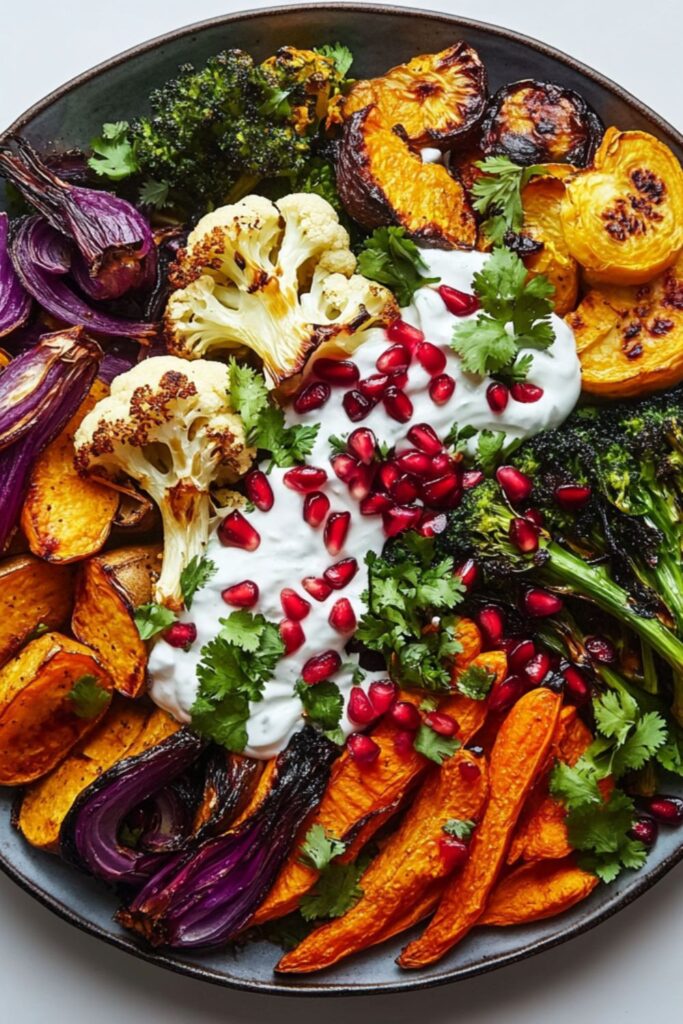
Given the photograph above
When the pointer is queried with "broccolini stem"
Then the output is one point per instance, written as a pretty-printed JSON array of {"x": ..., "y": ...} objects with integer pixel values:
[{"x": 650, "y": 681}]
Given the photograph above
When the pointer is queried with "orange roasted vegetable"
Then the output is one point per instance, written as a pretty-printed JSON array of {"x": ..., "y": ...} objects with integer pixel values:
[
  {"x": 541, "y": 200},
  {"x": 32, "y": 593},
  {"x": 623, "y": 217},
  {"x": 411, "y": 861},
  {"x": 468, "y": 635},
  {"x": 533, "y": 892},
  {"x": 520, "y": 751}
]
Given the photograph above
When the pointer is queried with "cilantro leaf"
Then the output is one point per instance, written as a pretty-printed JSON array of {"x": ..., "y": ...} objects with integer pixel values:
[
  {"x": 113, "y": 155},
  {"x": 320, "y": 847},
  {"x": 670, "y": 754},
  {"x": 222, "y": 719},
  {"x": 484, "y": 345},
  {"x": 475, "y": 682},
  {"x": 437, "y": 748},
  {"x": 87, "y": 697},
  {"x": 286, "y": 932},
  {"x": 457, "y": 438},
  {"x": 154, "y": 193},
  {"x": 152, "y": 618},
  {"x": 498, "y": 195},
  {"x": 574, "y": 786},
  {"x": 341, "y": 55},
  {"x": 458, "y": 827},
  {"x": 335, "y": 892},
  {"x": 248, "y": 393},
  {"x": 391, "y": 258},
  {"x": 323, "y": 703},
  {"x": 600, "y": 833},
  {"x": 337, "y": 444},
  {"x": 195, "y": 575},
  {"x": 490, "y": 449}
]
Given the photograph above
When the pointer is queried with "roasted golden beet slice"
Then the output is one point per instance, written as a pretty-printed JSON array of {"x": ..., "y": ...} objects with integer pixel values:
[
  {"x": 630, "y": 339},
  {"x": 623, "y": 217},
  {"x": 381, "y": 181},
  {"x": 434, "y": 100},
  {"x": 541, "y": 200},
  {"x": 540, "y": 122}
]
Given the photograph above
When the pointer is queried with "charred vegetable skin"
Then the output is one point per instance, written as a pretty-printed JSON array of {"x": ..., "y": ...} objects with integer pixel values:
[{"x": 540, "y": 122}]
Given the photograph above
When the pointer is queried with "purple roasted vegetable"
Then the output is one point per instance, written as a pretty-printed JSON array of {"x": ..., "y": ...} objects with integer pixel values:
[
  {"x": 15, "y": 302},
  {"x": 229, "y": 780},
  {"x": 208, "y": 897}
]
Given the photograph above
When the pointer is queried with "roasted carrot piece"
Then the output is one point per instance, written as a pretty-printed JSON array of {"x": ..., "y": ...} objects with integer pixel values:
[
  {"x": 518, "y": 753},
  {"x": 409, "y": 863},
  {"x": 535, "y": 891}
]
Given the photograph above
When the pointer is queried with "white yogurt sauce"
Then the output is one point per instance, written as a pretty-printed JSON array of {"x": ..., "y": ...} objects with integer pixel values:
[{"x": 291, "y": 550}]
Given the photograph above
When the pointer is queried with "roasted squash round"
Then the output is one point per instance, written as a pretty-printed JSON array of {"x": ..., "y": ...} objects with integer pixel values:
[
  {"x": 541, "y": 200},
  {"x": 623, "y": 218}
]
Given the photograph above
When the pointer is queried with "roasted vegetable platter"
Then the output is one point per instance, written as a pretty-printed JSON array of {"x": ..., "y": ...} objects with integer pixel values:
[{"x": 341, "y": 644}]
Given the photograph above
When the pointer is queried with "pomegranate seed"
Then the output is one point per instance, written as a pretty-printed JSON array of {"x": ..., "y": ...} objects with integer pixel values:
[
  {"x": 534, "y": 516},
  {"x": 541, "y": 603},
  {"x": 181, "y": 634},
  {"x": 363, "y": 443},
  {"x": 382, "y": 694},
  {"x": 414, "y": 462},
  {"x": 524, "y": 392},
  {"x": 441, "y": 389},
  {"x": 356, "y": 405},
  {"x": 666, "y": 809},
  {"x": 430, "y": 358},
  {"x": 404, "y": 334},
  {"x": 375, "y": 504},
  {"x": 440, "y": 465},
  {"x": 341, "y": 573},
  {"x": 362, "y": 749},
  {"x": 405, "y": 715},
  {"x": 425, "y": 438},
  {"x": 537, "y": 668},
  {"x": 469, "y": 771},
  {"x": 361, "y": 485},
  {"x": 304, "y": 479},
  {"x": 443, "y": 490},
  {"x": 316, "y": 507},
  {"x": 403, "y": 742},
  {"x": 645, "y": 830},
  {"x": 397, "y": 404},
  {"x": 396, "y": 357},
  {"x": 399, "y": 518},
  {"x": 507, "y": 644},
  {"x": 454, "y": 852},
  {"x": 572, "y": 496},
  {"x": 336, "y": 371},
  {"x": 312, "y": 396},
  {"x": 497, "y": 396},
  {"x": 442, "y": 724},
  {"x": 258, "y": 489},
  {"x": 336, "y": 529},
  {"x": 504, "y": 694},
  {"x": 388, "y": 475},
  {"x": 405, "y": 490},
  {"x": 490, "y": 621},
  {"x": 458, "y": 303},
  {"x": 399, "y": 378},
  {"x": 472, "y": 478},
  {"x": 468, "y": 572},
  {"x": 241, "y": 595},
  {"x": 292, "y": 635},
  {"x": 432, "y": 524},
  {"x": 359, "y": 708},
  {"x": 342, "y": 617},
  {"x": 294, "y": 605},
  {"x": 515, "y": 485},
  {"x": 601, "y": 649},
  {"x": 320, "y": 667},
  {"x": 575, "y": 683},
  {"x": 345, "y": 467},
  {"x": 374, "y": 386},
  {"x": 316, "y": 587},
  {"x": 524, "y": 535},
  {"x": 521, "y": 653},
  {"x": 237, "y": 532}
]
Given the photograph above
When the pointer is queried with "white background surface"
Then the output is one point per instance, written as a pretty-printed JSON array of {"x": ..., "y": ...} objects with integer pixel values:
[{"x": 626, "y": 970}]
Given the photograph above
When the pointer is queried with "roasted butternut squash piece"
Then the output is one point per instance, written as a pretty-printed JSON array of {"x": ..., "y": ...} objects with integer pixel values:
[
  {"x": 542, "y": 200},
  {"x": 623, "y": 217},
  {"x": 32, "y": 593}
]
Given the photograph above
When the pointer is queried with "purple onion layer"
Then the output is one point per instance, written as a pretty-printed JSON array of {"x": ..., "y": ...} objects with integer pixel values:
[{"x": 15, "y": 302}]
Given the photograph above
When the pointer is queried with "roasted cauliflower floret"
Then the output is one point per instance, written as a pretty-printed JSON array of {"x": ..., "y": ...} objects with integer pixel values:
[
  {"x": 275, "y": 278},
  {"x": 169, "y": 425}
]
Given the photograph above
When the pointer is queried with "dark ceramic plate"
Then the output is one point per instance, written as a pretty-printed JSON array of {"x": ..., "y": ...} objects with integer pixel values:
[{"x": 379, "y": 38}]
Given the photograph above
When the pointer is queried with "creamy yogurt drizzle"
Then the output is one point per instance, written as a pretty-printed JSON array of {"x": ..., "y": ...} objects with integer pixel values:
[{"x": 291, "y": 550}]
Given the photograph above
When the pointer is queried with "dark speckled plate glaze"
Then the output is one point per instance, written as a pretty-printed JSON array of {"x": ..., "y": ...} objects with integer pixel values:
[{"x": 379, "y": 37}]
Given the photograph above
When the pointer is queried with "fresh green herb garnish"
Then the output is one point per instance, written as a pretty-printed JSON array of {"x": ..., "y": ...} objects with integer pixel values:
[
  {"x": 195, "y": 575},
  {"x": 323, "y": 703},
  {"x": 337, "y": 889},
  {"x": 475, "y": 682},
  {"x": 114, "y": 156},
  {"x": 155, "y": 194},
  {"x": 394, "y": 260},
  {"x": 320, "y": 847},
  {"x": 434, "y": 746},
  {"x": 498, "y": 196},
  {"x": 286, "y": 932},
  {"x": 490, "y": 449},
  {"x": 152, "y": 618},
  {"x": 341, "y": 55},
  {"x": 87, "y": 697},
  {"x": 459, "y": 828}
]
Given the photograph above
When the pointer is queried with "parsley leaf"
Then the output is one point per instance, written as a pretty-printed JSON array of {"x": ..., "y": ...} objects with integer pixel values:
[
  {"x": 498, "y": 195},
  {"x": 195, "y": 575},
  {"x": 458, "y": 827},
  {"x": 113, "y": 155},
  {"x": 320, "y": 847},
  {"x": 154, "y": 193},
  {"x": 434, "y": 746},
  {"x": 335, "y": 892},
  {"x": 394, "y": 260},
  {"x": 152, "y": 619},
  {"x": 323, "y": 703},
  {"x": 341, "y": 55},
  {"x": 475, "y": 682},
  {"x": 87, "y": 697}
]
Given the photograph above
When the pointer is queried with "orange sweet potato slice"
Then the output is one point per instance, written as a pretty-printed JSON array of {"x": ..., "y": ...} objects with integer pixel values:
[
  {"x": 542, "y": 200},
  {"x": 468, "y": 635},
  {"x": 32, "y": 593},
  {"x": 536, "y": 891}
]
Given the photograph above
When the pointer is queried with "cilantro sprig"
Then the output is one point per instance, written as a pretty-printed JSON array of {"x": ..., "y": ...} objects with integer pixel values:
[
  {"x": 152, "y": 619},
  {"x": 459, "y": 828},
  {"x": 475, "y": 682},
  {"x": 320, "y": 847},
  {"x": 113, "y": 154},
  {"x": 433, "y": 745},
  {"x": 88, "y": 698},
  {"x": 391, "y": 258},
  {"x": 498, "y": 195},
  {"x": 340, "y": 54},
  {"x": 196, "y": 574},
  {"x": 322, "y": 703},
  {"x": 337, "y": 889}
]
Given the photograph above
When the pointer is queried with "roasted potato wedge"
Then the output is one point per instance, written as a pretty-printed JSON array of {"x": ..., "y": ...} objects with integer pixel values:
[
  {"x": 381, "y": 181},
  {"x": 623, "y": 218},
  {"x": 40, "y": 722},
  {"x": 541, "y": 200},
  {"x": 540, "y": 122},
  {"x": 436, "y": 99},
  {"x": 32, "y": 593},
  {"x": 108, "y": 590},
  {"x": 630, "y": 340}
]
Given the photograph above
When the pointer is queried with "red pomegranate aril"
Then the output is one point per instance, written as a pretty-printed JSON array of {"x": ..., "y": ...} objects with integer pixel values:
[
  {"x": 362, "y": 749},
  {"x": 397, "y": 404},
  {"x": 441, "y": 388},
  {"x": 292, "y": 635},
  {"x": 362, "y": 443},
  {"x": 490, "y": 621},
  {"x": 572, "y": 497},
  {"x": 430, "y": 358},
  {"x": 442, "y": 724},
  {"x": 312, "y": 396},
  {"x": 360, "y": 708},
  {"x": 336, "y": 371},
  {"x": 396, "y": 357},
  {"x": 361, "y": 484},
  {"x": 497, "y": 396},
  {"x": 458, "y": 303},
  {"x": 516, "y": 486},
  {"x": 666, "y": 809},
  {"x": 443, "y": 490},
  {"x": 341, "y": 573},
  {"x": 472, "y": 478},
  {"x": 374, "y": 386},
  {"x": 316, "y": 587},
  {"x": 504, "y": 694},
  {"x": 356, "y": 405},
  {"x": 399, "y": 378},
  {"x": 405, "y": 490},
  {"x": 375, "y": 504},
  {"x": 316, "y": 507},
  {"x": 537, "y": 668},
  {"x": 601, "y": 649},
  {"x": 454, "y": 853},
  {"x": 294, "y": 605},
  {"x": 388, "y": 475},
  {"x": 342, "y": 616},
  {"x": 258, "y": 489},
  {"x": 425, "y": 438},
  {"x": 524, "y": 535},
  {"x": 526, "y": 393},
  {"x": 399, "y": 518},
  {"x": 540, "y": 603},
  {"x": 645, "y": 830},
  {"x": 414, "y": 462},
  {"x": 345, "y": 467},
  {"x": 404, "y": 742},
  {"x": 507, "y": 644},
  {"x": 469, "y": 771},
  {"x": 382, "y": 694},
  {"x": 237, "y": 532},
  {"x": 320, "y": 667},
  {"x": 336, "y": 529},
  {"x": 432, "y": 524},
  {"x": 405, "y": 715},
  {"x": 441, "y": 464},
  {"x": 521, "y": 653},
  {"x": 181, "y": 634},
  {"x": 241, "y": 595},
  {"x": 404, "y": 334},
  {"x": 534, "y": 516},
  {"x": 576, "y": 683},
  {"x": 304, "y": 479},
  {"x": 468, "y": 572}
]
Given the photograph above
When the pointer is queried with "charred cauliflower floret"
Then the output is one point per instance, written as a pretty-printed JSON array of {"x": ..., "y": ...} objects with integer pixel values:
[
  {"x": 169, "y": 425},
  {"x": 274, "y": 278}
]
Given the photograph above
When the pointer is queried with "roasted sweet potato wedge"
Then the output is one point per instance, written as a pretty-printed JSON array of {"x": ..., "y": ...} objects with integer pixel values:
[
  {"x": 533, "y": 892},
  {"x": 542, "y": 200},
  {"x": 381, "y": 181},
  {"x": 108, "y": 590},
  {"x": 32, "y": 593},
  {"x": 40, "y": 718}
]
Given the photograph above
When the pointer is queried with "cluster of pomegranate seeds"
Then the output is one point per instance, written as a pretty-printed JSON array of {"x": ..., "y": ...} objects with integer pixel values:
[
  {"x": 241, "y": 595},
  {"x": 181, "y": 634}
]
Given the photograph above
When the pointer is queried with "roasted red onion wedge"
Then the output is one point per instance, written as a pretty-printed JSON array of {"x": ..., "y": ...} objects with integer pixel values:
[{"x": 15, "y": 302}]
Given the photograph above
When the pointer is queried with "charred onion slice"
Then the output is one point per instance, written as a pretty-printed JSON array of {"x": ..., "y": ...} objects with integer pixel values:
[
  {"x": 436, "y": 98},
  {"x": 623, "y": 218},
  {"x": 381, "y": 181},
  {"x": 542, "y": 199},
  {"x": 540, "y": 122}
]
